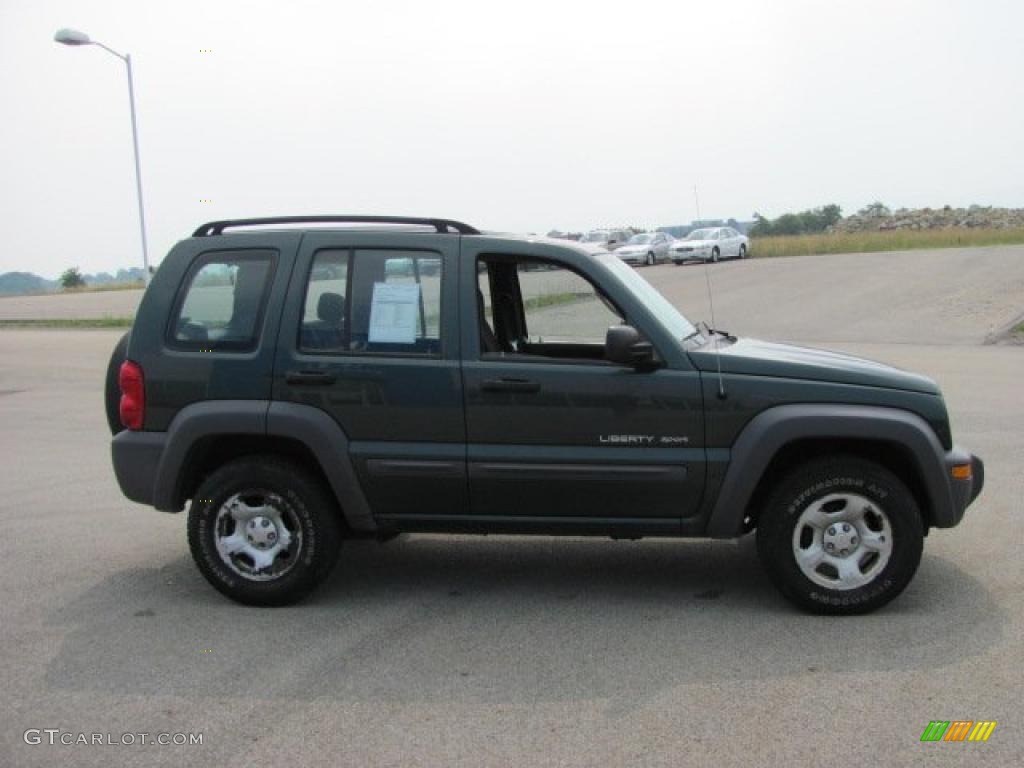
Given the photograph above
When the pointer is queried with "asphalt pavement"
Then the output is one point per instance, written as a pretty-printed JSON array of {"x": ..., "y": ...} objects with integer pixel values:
[{"x": 481, "y": 651}]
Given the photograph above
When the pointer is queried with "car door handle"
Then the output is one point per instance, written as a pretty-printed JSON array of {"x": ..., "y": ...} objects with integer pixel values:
[
  {"x": 309, "y": 378},
  {"x": 509, "y": 385}
]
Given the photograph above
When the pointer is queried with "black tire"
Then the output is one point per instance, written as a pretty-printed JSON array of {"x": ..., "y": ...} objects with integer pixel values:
[
  {"x": 743, "y": 251},
  {"x": 837, "y": 476},
  {"x": 298, "y": 496},
  {"x": 111, "y": 387},
  {"x": 715, "y": 253},
  {"x": 678, "y": 262}
]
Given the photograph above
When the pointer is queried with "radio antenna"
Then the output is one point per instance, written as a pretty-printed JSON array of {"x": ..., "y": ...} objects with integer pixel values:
[{"x": 711, "y": 307}]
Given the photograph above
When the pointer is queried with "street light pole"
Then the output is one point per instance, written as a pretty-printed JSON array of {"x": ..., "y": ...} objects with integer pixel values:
[
  {"x": 138, "y": 169},
  {"x": 74, "y": 37}
]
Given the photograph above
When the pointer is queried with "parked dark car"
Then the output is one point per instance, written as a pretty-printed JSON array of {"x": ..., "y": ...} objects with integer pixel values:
[{"x": 297, "y": 387}]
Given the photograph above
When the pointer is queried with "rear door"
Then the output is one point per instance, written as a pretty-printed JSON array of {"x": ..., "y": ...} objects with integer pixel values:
[{"x": 370, "y": 336}]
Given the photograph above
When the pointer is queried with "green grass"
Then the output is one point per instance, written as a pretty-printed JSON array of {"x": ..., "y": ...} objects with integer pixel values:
[
  {"x": 891, "y": 240},
  {"x": 136, "y": 285},
  {"x": 71, "y": 322},
  {"x": 553, "y": 300}
]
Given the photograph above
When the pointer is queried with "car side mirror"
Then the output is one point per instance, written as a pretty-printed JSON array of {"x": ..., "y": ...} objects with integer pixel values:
[{"x": 624, "y": 345}]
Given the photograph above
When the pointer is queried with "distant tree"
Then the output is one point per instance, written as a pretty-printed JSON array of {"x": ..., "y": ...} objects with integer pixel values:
[
  {"x": 71, "y": 278},
  {"x": 762, "y": 226},
  {"x": 876, "y": 210},
  {"x": 831, "y": 215},
  {"x": 811, "y": 220},
  {"x": 788, "y": 224}
]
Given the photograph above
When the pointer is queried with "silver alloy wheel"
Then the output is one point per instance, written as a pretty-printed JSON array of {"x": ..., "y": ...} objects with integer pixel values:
[
  {"x": 842, "y": 541},
  {"x": 258, "y": 535},
  {"x": 650, "y": 259}
]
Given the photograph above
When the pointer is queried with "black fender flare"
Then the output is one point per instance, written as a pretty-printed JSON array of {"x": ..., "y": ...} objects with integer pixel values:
[
  {"x": 305, "y": 424},
  {"x": 772, "y": 430},
  {"x": 318, "y": 431}
]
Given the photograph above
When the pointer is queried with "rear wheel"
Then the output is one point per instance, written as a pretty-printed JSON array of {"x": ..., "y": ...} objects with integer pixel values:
[
  {"x": 743, "y": 251},
  {"x": 840, "y": 535},
  {"x": 715, "y": 253},
  {"x": 112, "y": 388},
  {"x": 263, "y": 530},
  {"x": 650, "y": 259}
]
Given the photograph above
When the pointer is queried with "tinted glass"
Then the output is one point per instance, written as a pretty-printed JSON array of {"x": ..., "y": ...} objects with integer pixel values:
[
  {"x": 223, "y": 304},
  {"x": 324, "y": 317}
]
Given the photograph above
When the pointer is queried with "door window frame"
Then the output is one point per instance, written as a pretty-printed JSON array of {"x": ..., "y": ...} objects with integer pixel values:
[{"x": 507, "y": 357}]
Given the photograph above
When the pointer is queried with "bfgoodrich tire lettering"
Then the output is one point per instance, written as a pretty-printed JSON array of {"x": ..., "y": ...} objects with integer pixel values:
[
  {"x": 293, "y": 496},
  {"x": 839, "y": 489}
]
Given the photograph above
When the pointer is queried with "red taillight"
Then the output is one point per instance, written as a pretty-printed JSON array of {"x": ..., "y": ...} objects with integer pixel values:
[{"x": 133, "y": 395}]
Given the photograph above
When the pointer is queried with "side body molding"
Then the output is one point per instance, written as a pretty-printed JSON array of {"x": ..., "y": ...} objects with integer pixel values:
[
  {"x": 773, "y": 429},
  {"x": 303, "y": 423}
]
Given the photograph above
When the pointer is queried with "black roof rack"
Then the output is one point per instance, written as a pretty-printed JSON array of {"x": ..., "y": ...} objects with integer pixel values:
[{"x": 443, "y": 226}]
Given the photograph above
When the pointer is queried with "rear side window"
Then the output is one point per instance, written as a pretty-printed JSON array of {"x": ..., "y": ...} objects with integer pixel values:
[
  {"x": 325, "y": 316},
  {"x": 221, "y": 305},
  {"x": 368, "y": 301}
]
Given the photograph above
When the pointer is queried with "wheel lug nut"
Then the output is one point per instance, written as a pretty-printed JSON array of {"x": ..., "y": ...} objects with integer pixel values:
[
  {"x": 830, "y": 546},
  {"x": 853, "y": 540},
  {"x": 832, "y": 531},
  {"x": 265, "y": 522},
  {"x": 846, "y": 528}
]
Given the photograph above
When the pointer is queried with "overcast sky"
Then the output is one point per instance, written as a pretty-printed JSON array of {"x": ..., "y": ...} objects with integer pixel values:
[{"x": 512, "y": 116}]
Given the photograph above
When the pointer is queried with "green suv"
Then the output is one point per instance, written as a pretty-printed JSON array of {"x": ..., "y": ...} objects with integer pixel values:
[{"x": 297, "y": 381}]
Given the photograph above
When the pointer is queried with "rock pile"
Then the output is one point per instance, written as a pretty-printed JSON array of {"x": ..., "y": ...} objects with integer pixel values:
[{"x": 876, "y": 218}]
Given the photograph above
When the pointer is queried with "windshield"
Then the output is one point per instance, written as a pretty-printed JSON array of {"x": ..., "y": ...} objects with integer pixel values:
[
  {"x": 640, "y": 239},
  {"x": 658, "y": 305},
  {"x": 701, "y": 234},
  {"x": 597, "y": 236}
]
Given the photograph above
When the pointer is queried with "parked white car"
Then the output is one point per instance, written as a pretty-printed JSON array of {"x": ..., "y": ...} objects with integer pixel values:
[
  {"x": 609, "y": 238},
  {"x": 711, "y": 244},
  {"x": 646, "y": 248}
]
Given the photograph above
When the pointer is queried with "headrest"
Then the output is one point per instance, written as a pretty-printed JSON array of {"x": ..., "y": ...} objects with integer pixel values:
[{"x": 331, "y": 308}]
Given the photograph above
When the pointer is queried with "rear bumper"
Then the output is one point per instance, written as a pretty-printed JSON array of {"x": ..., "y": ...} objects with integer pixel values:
[
  {"x": 136, "y": 457},
  {"x": 963, "y": 490}
]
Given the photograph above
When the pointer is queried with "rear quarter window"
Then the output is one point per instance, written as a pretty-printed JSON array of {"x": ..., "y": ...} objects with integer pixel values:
[{"x": 221, "y": 302}]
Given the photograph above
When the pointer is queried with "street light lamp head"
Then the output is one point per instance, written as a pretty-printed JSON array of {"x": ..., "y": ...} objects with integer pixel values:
[{"x": 71, "y": 37}]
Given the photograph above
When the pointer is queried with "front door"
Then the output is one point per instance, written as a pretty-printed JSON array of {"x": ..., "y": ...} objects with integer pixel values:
[
  {"x": 553, "y": 429},
  {"x": 372, "y": 339}
]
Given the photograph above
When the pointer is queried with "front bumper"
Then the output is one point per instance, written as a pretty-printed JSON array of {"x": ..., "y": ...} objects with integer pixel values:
[
  {"x": 681, "y": 256},
  {"x": 964, "y": 489},
  {"x": 632, "y": 258}
]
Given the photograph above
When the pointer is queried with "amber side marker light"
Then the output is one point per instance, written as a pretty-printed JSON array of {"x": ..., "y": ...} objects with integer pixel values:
[{"x": 961, "y": 472}]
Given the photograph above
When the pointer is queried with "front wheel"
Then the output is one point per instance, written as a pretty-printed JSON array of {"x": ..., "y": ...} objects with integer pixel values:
[
  {"x": 840, "y": 535},
  {"x": 650, "y": 259},
  {"x": 743, "y": 251},
  {"x": 714, "y": 255},
  {"x": 263, "y": 530}
]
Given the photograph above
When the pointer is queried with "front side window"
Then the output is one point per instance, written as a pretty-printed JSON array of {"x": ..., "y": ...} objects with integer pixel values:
[
  {"x": 540, "y": 310},
  {"x": 222, "y": 305},
  {"x": 560, "y": 305}
]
